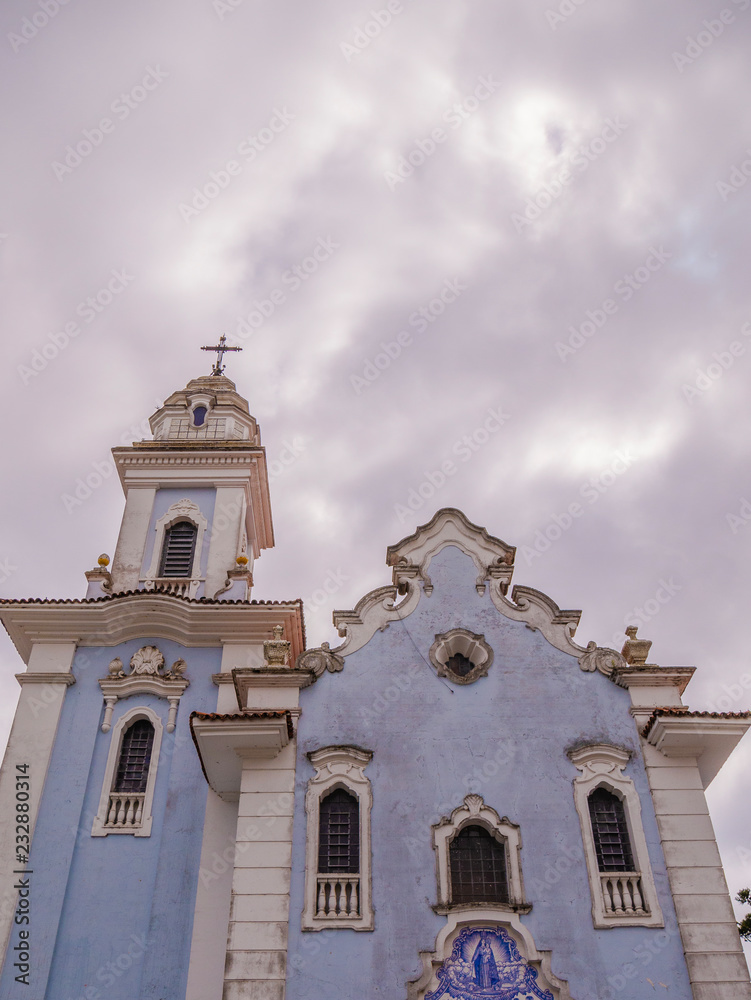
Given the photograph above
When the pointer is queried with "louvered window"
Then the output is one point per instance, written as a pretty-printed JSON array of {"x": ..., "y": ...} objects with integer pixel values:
[
  {"x": 179, "y": 549},
  {"x": 339, "y": 838},
  {"x": 610, "y": 832},
  {"x": 478, "y": 867},
  {"x": 135, "y": 757}
]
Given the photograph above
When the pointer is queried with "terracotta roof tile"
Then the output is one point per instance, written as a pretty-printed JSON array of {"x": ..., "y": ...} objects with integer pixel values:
[
  {"x": 234, "y": 716},
  {"x": 679, "y": 710}
]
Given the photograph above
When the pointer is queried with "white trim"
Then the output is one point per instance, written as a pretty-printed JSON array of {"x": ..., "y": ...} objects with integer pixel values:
[
  {"x": 474, "y": 812},
  {"x": 602, "y": 767},
  {"x": 338, "y": 767},
  {"x": 183, "y": 510},
  {"x": 144, "y": 830}
]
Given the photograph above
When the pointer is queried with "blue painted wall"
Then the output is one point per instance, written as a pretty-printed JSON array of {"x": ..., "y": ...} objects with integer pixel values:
[
  {"x": 112, "y": 916},
  {"x": 505, "y": 737}
]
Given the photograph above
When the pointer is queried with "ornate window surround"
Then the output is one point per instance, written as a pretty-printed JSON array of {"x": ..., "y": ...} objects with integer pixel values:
[
  {"x": 461, "y": 640},
  {"x": 601, "y": 766},
  {"x": 338, "y": 767},
  {"x": 143, "y": 829},
  {"x": 474, "y": 812},
  {"x": 182, "y": 510}
]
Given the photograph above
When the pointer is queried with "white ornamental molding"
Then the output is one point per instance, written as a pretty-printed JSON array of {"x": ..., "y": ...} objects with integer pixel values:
[
  {"x": 411, "y": 557},
  {"x": 607, "y": 661},
  {"x": 145, "y": 677},
  {"x": 467, "y": 645},
  {"x": 319, "y": 660}
]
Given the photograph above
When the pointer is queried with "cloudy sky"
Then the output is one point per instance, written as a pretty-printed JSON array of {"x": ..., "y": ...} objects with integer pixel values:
[{"x": 502, "y": 244}]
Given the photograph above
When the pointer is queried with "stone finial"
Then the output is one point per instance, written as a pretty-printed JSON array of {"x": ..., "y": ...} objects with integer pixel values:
[
  {"x": 276, "y": 650},
  {"x": 635, "y": 651},
  {"x": 103, "y": 560}
]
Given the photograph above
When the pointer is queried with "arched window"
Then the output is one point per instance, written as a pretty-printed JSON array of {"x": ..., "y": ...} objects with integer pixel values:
[
  {"x": 478, "y": 867},
  {"x": 339, "y": 836},
  {"x": 135, "y": 757},
  {"x": 610, "y": 832},
  {"x": 178, "y": 550}
]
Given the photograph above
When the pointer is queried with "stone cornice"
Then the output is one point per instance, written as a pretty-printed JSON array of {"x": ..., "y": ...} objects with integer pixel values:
[
  {"x": 710, "y": 737},
  {"x": 651, "y": 675},
  {"x": 248, "y": 679},
  {"x": 111, "y": 620},
  {"x": 37, "y": 677}
]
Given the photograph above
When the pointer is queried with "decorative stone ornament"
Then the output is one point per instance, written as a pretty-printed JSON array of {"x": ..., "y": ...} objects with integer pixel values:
[
  {"x": 607, "y": 661},
  {"x": 320, "y": 660},
  {"x": 461, "y": 656},
  {"x": 145, "y": 677},
  {"x": 148, "y": 660},
  {"x": 276, "y": 650}
]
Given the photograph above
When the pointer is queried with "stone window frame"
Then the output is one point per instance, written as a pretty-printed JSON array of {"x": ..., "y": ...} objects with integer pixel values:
[
  {"x": 474, "y": 812},
  {"x": 338, "y": 767},
  {"x": 601, "y": 766},
  {"x": 99, "y": 829},
  {"x": 183, "y": 510}
]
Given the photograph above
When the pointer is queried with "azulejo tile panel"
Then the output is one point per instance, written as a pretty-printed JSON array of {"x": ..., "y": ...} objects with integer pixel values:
[{"x": 485, "y": 964}]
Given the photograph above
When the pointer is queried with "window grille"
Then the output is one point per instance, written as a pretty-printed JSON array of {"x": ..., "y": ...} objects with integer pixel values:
[
  {"x": 135, "y": 757},
  {"x": 179, "y": 549},
  {"x": 478, "y": 867},
  {"x": 610, "y": 832},
  {"x": 339, "y": 838}
]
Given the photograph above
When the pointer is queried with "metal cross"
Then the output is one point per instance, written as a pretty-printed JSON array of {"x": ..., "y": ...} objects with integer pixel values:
[{"x": 221, "y": 349}]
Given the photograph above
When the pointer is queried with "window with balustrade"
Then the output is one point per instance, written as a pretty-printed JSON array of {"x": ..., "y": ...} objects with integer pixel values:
[
  {"x": 337, "y": 873},
  {"x": 615, "y": 848},
  {"x": 128, "y": 789}
]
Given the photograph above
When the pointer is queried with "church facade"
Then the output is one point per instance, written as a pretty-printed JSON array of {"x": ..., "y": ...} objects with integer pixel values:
[{"x": 459, "y": 801}]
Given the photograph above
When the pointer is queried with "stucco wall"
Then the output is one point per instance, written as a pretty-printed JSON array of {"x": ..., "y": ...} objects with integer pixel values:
[
  {"x": 504, "y": 737},
  {"x": 118, "y": 899}
]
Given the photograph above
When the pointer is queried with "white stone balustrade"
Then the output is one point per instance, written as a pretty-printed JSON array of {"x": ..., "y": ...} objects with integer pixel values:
[
  {"x": 338, "y": 896},
  {"x": 622, "y": 894},
  {"x": 125, "y": 811}
]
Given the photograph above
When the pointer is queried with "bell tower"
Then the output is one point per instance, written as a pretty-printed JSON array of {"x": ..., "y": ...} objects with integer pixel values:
[{"x": 197, "y": 505}]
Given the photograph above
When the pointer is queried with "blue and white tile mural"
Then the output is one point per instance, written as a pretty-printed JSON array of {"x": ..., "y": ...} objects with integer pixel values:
[{"x": 486, "y": 963}]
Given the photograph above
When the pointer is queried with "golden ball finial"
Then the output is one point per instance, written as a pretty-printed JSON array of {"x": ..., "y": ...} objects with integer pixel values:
[
  {"x": 242, "y": 560},
  {"x": 104, "y": 559}
]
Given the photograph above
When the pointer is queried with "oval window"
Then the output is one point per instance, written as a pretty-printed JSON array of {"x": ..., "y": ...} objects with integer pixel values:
[{"x": 199, "y": 415}]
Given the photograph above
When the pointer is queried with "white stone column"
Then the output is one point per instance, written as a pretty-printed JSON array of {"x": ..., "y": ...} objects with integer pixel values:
[
  {"x": 228, "y": 521},
  {"x": 131, "y": 542},
  {"x": 31, "y": 740},
  {"x": 716, "y": 964},
  {"x": 257, "y": 949}
]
